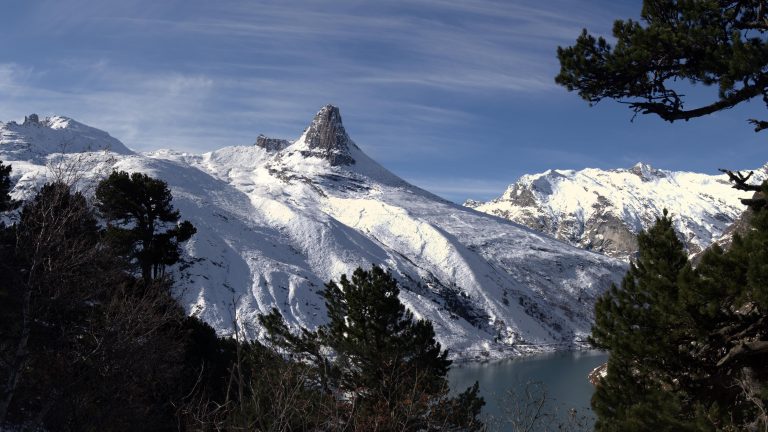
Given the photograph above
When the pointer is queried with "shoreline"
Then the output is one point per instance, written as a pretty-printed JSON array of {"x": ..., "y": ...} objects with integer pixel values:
[{"x": 514, "y": 353}]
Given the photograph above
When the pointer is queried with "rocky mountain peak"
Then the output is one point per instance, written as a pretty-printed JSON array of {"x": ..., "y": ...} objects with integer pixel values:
[
  {"x": 646, "y": 172},
  {"x": 271, "y": 144},
  {"x": 31, "y": 119},
  {"x": 326, "y": 137}
]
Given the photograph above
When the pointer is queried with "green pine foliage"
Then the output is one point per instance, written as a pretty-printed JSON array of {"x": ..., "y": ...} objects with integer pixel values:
[
  {"x": 681, "y": 42},
  {"x": 689, "y": 348},
  {"x": 6, "y": 203},
  {"x": 383, "y": 367},
  {"x": 381, "y": 347},
  {"x": 142, "y": 223},
  {"x": 639, "y": 324}
]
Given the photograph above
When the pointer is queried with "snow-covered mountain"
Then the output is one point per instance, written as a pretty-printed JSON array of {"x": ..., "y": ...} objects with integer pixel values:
[
  {"x": 604, "y": 210},
  {"x": 35, "y": 139},
  {"x": 278, "y": 219}
]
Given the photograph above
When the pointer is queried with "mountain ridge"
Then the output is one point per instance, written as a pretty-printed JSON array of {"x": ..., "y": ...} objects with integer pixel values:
[
  {"x": 36, "y": 138},
  {"x": 604, "y": 210},
  {"x": 275, "y": 224}
]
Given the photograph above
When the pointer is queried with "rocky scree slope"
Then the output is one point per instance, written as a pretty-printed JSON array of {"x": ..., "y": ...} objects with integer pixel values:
[
  {"x": 604, "y": 210},
  {"x": 278, "y": 219}
]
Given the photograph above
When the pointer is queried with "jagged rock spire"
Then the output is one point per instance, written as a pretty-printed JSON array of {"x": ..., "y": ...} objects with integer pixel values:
[
  {"x": 31, "y": 119},
  {"x": 327, "y": 138}
]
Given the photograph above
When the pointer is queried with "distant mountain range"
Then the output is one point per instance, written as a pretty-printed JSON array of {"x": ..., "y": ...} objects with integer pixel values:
[
  {"x": 604, "y": 210},
  {"x": 278, "y": 219}
]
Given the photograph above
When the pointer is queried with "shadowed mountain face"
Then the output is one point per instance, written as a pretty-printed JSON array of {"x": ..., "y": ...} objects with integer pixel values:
[
  {"x": 277, "y": 220},
  {"x": 604, "y": 210}
]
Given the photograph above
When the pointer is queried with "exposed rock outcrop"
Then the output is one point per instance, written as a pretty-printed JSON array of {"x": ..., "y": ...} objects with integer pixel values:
[
  {"x": 326, "y": 137},
  {"x": 31, "y": 119},
  {"x": 271, "y": 144}
]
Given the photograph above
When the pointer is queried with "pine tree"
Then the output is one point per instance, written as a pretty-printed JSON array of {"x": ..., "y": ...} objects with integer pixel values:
[
  {"x": 383, "y": 348},
  {"x": 7, "y": 238},
  {"x": 6, "y": 202},
  {"x": 83, "y": 344},
  {"x": 724, "y": 296},
  {"x": 143, "y": 225},
  {"x": 683, "y": 43},
  {"x": 640, "y": 325},
  {"x": 387, "y": 364},
  {"x": 688, "y": 345}
]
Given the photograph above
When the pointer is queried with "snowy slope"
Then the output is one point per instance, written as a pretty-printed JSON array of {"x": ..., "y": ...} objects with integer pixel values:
[
  {"x": 603, "y": 210},
  {"x": 34, "y": 139},
  {"x": 277, "y": 220}
]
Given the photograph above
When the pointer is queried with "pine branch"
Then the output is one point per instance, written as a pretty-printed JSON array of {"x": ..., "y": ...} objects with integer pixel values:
[
  {"x": 673, "y": 112},
  {"x": 739, "y": 180},
  {"x": 744, "y": 349},
  {"x": 759, "y": 124}
]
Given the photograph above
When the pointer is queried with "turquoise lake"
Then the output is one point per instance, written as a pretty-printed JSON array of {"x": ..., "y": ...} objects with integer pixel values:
[{"x": 564, "y": 375}]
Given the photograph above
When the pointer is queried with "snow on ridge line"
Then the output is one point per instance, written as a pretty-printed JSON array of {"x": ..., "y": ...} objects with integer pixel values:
[
  {"x": 603, "y": 210},
  {"x": 36, "y": 138}
]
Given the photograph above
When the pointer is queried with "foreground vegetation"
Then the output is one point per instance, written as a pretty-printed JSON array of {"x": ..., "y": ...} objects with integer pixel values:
[{"x": 688, "y": 345}]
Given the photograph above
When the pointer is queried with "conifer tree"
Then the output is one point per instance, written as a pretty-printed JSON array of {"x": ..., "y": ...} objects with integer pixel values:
[
  {"x": 386, "y": 363},
  {"x": 681, "y": 43},
  {"x": 688, "y": 345},
  {"x": 6, "y": 203},
  {"x": 641, "y": 327},
  {"x": 6, "y": 239},
  {"x": 380, "y": 344},
  {"x": 83, "y": 344},
  {"x": 142, "y": 223}
]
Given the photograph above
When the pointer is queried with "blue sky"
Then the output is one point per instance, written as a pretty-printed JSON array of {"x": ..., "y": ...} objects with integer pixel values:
[{"x": 457, "y": 97}]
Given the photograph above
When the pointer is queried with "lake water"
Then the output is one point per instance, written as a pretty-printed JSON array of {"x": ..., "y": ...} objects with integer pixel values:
[{"x": 563, "y": 375}]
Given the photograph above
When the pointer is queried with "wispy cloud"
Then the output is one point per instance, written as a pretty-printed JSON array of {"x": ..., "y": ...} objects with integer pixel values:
[{"x": 13, "y": 77}]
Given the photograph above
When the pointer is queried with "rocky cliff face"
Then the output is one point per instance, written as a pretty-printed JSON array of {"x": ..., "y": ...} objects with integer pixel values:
[
  {"x": 740, "y": 226},
  {"x": 326, "y": 138},
  {"x": 604, "y": 210}
]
